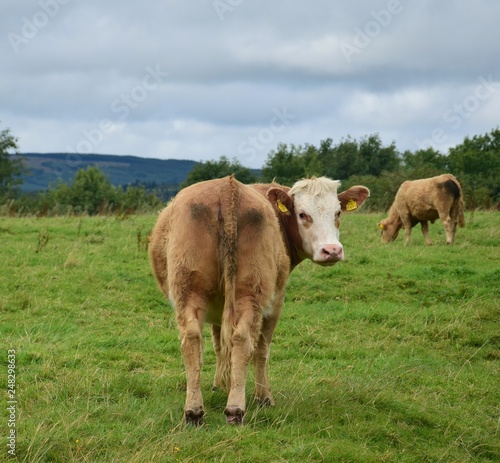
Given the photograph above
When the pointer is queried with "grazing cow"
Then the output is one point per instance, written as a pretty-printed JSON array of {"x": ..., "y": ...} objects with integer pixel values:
[
  {"x": 423, "y": 201},
  {"x": 222, "y": 252}
]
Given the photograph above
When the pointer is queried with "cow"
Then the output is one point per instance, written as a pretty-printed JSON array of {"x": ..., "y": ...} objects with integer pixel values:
[
  {"x": 222, "y": 252},
  {"x": 422, "y": 201}
]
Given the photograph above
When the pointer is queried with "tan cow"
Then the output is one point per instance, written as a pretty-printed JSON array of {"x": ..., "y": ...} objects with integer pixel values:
[
  {"x": 421, "y": 201},
  {"x": 222, "y": 252}
]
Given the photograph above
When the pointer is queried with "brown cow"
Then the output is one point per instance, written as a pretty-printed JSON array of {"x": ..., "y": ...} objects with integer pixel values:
[
  {"x": 421, "y": 201},
  {"x": 222, "y": 252}
]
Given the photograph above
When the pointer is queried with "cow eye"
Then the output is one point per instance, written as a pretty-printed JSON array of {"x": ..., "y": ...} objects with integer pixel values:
[{"x": 302, "y": 216}]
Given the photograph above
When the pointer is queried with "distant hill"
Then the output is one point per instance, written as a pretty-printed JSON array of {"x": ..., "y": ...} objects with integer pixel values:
[{"x": 47, "y": 168}]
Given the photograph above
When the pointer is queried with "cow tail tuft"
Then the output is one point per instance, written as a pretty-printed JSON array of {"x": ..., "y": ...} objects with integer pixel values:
[{"x": 229, "y": 242}]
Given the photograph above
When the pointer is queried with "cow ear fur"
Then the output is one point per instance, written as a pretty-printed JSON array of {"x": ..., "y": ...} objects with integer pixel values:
[
  {"x": 281, "y": 202},
  {"x": 353, "y": 198}
]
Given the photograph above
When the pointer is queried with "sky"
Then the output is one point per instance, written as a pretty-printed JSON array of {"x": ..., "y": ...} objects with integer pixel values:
[{"x": 199, "y": 79}]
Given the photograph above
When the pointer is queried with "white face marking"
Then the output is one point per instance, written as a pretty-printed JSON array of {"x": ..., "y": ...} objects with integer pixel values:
[{"x": 318, "y": 220}]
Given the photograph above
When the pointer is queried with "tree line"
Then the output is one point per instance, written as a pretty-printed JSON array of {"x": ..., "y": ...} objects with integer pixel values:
[
  {"x": 90, "y": 192},
  {"x": 382, "y": 168}
]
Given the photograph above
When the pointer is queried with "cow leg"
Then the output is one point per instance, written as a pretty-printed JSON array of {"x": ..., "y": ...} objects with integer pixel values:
[
  {"x": 407, "y": 227},
  {"x": 425, "y": 232},
  {"x": 191, "y": 327},
  {"x": 448, "y": 228},
  {"x": 261, "y": 362},
  {"x": 246, "y": 330},
  {"x": 454, "y": 229},
  {"x": 216, "y": 343},
  {"x": 262, "y": 353}
]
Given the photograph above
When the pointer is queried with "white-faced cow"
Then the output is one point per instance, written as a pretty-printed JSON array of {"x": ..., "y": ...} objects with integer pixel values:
[
  {"x": 422, "y": 201},
  {"x": 222, "y": 252}
]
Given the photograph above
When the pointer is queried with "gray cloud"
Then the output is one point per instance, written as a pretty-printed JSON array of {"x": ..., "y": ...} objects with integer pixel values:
[{"x": 76, "y": 74}]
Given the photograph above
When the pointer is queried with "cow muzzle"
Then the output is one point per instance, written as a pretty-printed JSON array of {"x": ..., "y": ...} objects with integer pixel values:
[{"x": 330, "y": 254}]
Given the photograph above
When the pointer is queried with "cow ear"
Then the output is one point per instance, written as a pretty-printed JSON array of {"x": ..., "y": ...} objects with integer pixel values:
[
  {"x": 353, "y": 198},
  {"x": 280, "y": 200}
]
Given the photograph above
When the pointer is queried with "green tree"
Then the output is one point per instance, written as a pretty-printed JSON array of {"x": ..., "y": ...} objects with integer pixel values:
[
  {"x": 374, "y": 158},
  {"x": 209, "y": 170},
  {"x": 11, "y": 164},
  {"x": 476, "y": 162},
  {"x": 424, "y": 163},
  {"x": 350, "y": 157},
  {"x": 286, "y": 165},
  {"x": 338, "y": 161},
  {"x": 90, "y": 192},
  {"x": 136, "y": 198},
  {"x": 383, "y": 188}
]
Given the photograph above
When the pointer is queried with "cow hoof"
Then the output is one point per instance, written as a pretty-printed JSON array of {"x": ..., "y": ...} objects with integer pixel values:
[
  {"x": 195, "y": 416},
  {"x": 265, "y": 401},
  {"x": 234, "y": 415}
]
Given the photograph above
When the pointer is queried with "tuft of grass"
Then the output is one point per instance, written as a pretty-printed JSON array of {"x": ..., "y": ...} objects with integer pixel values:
[{"x": 390, "y": 356}]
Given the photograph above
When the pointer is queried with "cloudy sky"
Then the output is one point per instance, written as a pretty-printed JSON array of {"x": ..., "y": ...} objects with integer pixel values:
[{"x": 203, "y": 78}]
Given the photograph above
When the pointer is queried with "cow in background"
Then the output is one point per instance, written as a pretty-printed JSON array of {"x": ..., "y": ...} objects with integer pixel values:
[
  {"x": 222, "y": 252},
  {"x": 423, "y": 201}
]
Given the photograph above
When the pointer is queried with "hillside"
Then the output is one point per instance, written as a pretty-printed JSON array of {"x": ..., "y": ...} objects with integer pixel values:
[{"x": 47, "y": 168}]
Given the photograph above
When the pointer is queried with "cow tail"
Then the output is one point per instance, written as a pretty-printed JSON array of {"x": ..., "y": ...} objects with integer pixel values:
[
  {"x": 461, "y": 212},
  {"x": 229, "y": 242},
  {"x": 460, "y": 205}
]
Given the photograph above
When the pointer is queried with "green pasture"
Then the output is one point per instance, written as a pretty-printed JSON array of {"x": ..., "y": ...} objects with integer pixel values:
[{"x": 390, "y": 356}]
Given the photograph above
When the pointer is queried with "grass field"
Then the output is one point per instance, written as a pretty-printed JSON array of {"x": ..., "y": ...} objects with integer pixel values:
[{"x": 390, "y": 356}]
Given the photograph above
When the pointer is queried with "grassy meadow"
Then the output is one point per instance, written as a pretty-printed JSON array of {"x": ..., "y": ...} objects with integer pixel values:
[{"x": 390, "y": 356}]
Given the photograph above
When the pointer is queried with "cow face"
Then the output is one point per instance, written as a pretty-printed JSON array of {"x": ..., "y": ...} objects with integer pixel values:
[
  {"x": 389, "y": 229},
  {"x": 317, "y": 207}
]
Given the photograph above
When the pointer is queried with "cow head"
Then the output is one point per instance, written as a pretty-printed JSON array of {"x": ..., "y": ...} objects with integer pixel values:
[
  {"x": 389, "y": 229},
  {"x": 315, "y": 207}
]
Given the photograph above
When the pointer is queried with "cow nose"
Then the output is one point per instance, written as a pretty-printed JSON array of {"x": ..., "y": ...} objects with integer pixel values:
[{"x": 333, "y": 252}]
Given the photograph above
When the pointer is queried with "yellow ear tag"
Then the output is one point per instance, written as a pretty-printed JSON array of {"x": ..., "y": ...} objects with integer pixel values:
[
  {"x": 282, "y": 207},
  {"x": 381, "y": 226},
  {"x": 351, "y": 205}
]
